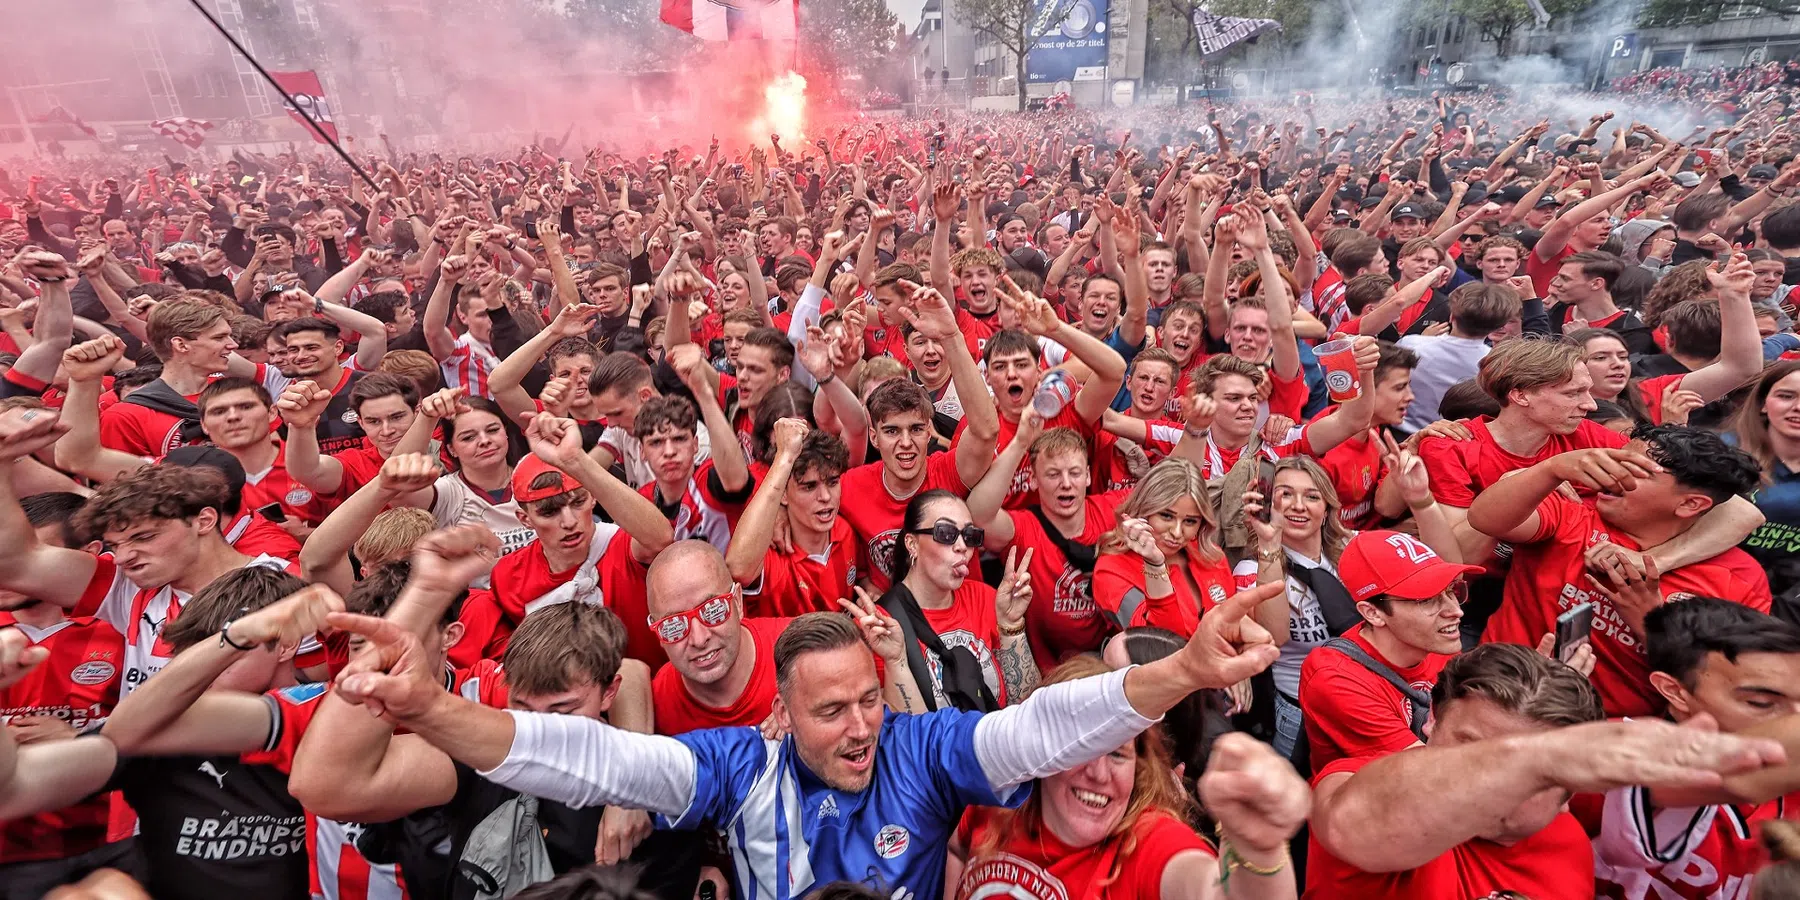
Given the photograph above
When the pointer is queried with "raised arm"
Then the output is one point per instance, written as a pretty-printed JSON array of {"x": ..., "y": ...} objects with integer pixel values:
[
  {"x": 438, "y": 338},
  {"x": 28, "y": 566},
  {"x": 558, "y": 442},
  {"x": 988, "y": 495},
  {"x": 80, "y": 450},
  {"x": 1136, "y": 319},
  {"x": 930, "y": 312},
  {"x": 1512, "y": 514},
  {"x": 755, "y": 529},
  {"x": 506, "y": 381},
  {"x": 944, "y": 199},
  {"x": 1061, "y": 726},
  {"x": 54, "y": 326},
  {"x": 727, "y": 451},
  {"x": 1740, "y": 344}
]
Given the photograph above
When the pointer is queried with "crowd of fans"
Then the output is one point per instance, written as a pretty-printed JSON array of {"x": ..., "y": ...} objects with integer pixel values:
[{"x": 1237, "y": 506}]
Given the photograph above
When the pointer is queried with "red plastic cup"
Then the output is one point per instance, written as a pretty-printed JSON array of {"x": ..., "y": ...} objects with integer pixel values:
[{"x": 1342, "y": 379}]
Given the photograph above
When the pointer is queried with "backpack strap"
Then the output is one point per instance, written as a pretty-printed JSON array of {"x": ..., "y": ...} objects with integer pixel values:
[
  {"x": 961, "y": 676},
  {"x": 1419, "y": 700},
  {"x": 1335, "y": 605},
  {"x": 1079, "y": 555}
]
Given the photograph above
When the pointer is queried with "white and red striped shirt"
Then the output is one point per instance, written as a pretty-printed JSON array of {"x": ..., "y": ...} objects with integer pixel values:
[
  {"x": 140, "y": 614},
  {"x": 469, "y": 365},
  {"x": 339, "y": 870}
]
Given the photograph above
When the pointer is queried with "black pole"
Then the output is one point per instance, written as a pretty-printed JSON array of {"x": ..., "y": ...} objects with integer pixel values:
[{"x": 220, "y": 27}]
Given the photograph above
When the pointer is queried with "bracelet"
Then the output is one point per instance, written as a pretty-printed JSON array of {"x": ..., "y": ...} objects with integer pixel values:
[
  {"x": 54, "y": 280},
  {"x": 1160, "y": 569},
  {"x": 826, "y": 380},
  {"x": 1006, "y": 632},
  {"x": 225, "y": 635},
  {"x": 1230, "y": 860},
  {"x": 1268, "y": 555}
]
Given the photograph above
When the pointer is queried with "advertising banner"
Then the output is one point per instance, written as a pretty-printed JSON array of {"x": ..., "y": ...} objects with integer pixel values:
[{"x": 1073, "y": 50}]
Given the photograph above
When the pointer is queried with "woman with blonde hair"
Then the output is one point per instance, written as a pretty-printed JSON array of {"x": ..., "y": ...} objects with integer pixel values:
[
  {"x": 1299, "y": 542},
  {"x": 1117, "y": 827},
  {"x": 1162, "y": 565}
]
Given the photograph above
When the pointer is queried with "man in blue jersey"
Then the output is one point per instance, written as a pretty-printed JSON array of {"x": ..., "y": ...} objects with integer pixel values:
[{"x": 853, "y": 793}]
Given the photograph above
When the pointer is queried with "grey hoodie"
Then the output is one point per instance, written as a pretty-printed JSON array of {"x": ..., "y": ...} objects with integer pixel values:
[{"x": 1634, "y": 234}]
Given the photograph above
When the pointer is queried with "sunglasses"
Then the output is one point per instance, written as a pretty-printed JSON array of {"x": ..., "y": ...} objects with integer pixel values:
[
  {"x": 712, "y": 612},
  {"x": 1471, "y": 238},
  {"x": 946, "y": 533}
]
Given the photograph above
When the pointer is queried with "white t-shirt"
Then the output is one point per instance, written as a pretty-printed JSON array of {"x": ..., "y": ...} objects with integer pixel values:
[
  {"x": 1306, "y": 621},
  {"x": 456, "y": 503},
  {"x": 1444, "y": 360}
]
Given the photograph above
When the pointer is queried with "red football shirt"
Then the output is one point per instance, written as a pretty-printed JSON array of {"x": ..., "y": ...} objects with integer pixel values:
[
  {"x": 1461, "y": 469},
  {"x": 1041, "y": 865},
  {"x": 1541, "y": 271},
  {"x": 1557, "y": 863},
  {"x": 875, "y": 514},
  {"x": 522, "y": 578},
  {"x": 1024, "y": 486},
  {"x": 1549, "y": 577},
  {"x": 79, "y": 684},
  {"x": 140, "y": 430},
  {"x": 677, "y": 712},
  {"x": 797, "y": 582},
  {"x": 1351, "y": 711},
  {"x": 1653, "y": 390},
  {"x": 968, "y": 622},
  {"x": 1117, "y": 575},
  {"x": 1063, "y": 620}
]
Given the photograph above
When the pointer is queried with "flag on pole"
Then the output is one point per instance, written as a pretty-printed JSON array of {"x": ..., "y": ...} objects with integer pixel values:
[
  {"x": 189, "y": 133},
  {"x": 1220, "y": 33},
  {"x": 734, "y": 20},
  {"x": 309, "y": 95},
  {"x": 60, "y": 115}
]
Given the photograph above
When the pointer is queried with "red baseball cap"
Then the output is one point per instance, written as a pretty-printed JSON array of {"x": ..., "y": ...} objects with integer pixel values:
[
  {"x": 528, "y": 470},
  {"x": 1396, "y": 565}
]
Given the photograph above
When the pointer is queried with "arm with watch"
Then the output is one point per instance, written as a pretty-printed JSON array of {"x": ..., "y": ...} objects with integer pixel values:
[{"x": 177, "y": 715}]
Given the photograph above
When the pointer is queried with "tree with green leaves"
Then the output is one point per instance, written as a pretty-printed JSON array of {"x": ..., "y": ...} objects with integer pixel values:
[
  {"x": 1500, "y": 20},
  {"x": 1015, "y": 25},
  {"x": 854, "y": 34}
]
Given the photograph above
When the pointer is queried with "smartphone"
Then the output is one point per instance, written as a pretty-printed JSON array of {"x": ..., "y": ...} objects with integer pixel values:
[
  {"x": 1265, "y": 485},
  {"x": 272, "y": 512},
  {"x": 1573, "y": 630}
]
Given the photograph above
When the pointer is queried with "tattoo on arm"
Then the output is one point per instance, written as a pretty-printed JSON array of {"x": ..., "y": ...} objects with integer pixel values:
[{"x": 1017, "y": 667}]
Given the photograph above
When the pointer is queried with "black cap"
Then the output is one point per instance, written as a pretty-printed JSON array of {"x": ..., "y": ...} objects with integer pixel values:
[
  {"x": 1763, "y": 170},
  {"x": 1509, "y": 194},
  {"x": 1407, "y": 211},
  {"x": 1548, "y": 201},
  {"x": 212, "y": 457}
]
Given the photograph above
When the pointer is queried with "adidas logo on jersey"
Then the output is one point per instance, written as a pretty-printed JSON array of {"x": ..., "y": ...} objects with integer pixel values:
[{"x": 828, "y": 809}]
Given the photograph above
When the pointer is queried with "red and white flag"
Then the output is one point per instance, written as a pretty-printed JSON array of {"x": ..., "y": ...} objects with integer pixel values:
[
  {"x": 309, "y": 95},
  {"x": 734, "y": 20},
  {"x": 189, "y": 133},
  {"x": 59, "y": 115}
]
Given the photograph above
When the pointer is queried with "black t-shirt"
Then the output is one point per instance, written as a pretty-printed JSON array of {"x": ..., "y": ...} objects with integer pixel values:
[
  {"x": 213, "y": 827},
  {"x": 339, "y": 428}
]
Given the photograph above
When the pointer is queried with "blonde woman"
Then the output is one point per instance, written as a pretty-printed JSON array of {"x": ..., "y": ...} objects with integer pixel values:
[
  {"x": 1301, "y": 544},
  {"x": 1162, "y": 566}
]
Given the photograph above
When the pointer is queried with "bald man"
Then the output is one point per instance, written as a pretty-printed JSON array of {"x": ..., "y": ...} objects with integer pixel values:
[{"x": 721, "y": 667}]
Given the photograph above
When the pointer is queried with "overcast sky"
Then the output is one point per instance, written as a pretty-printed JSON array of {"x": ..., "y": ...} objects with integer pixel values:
[{"x": 907, "y": 10}]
